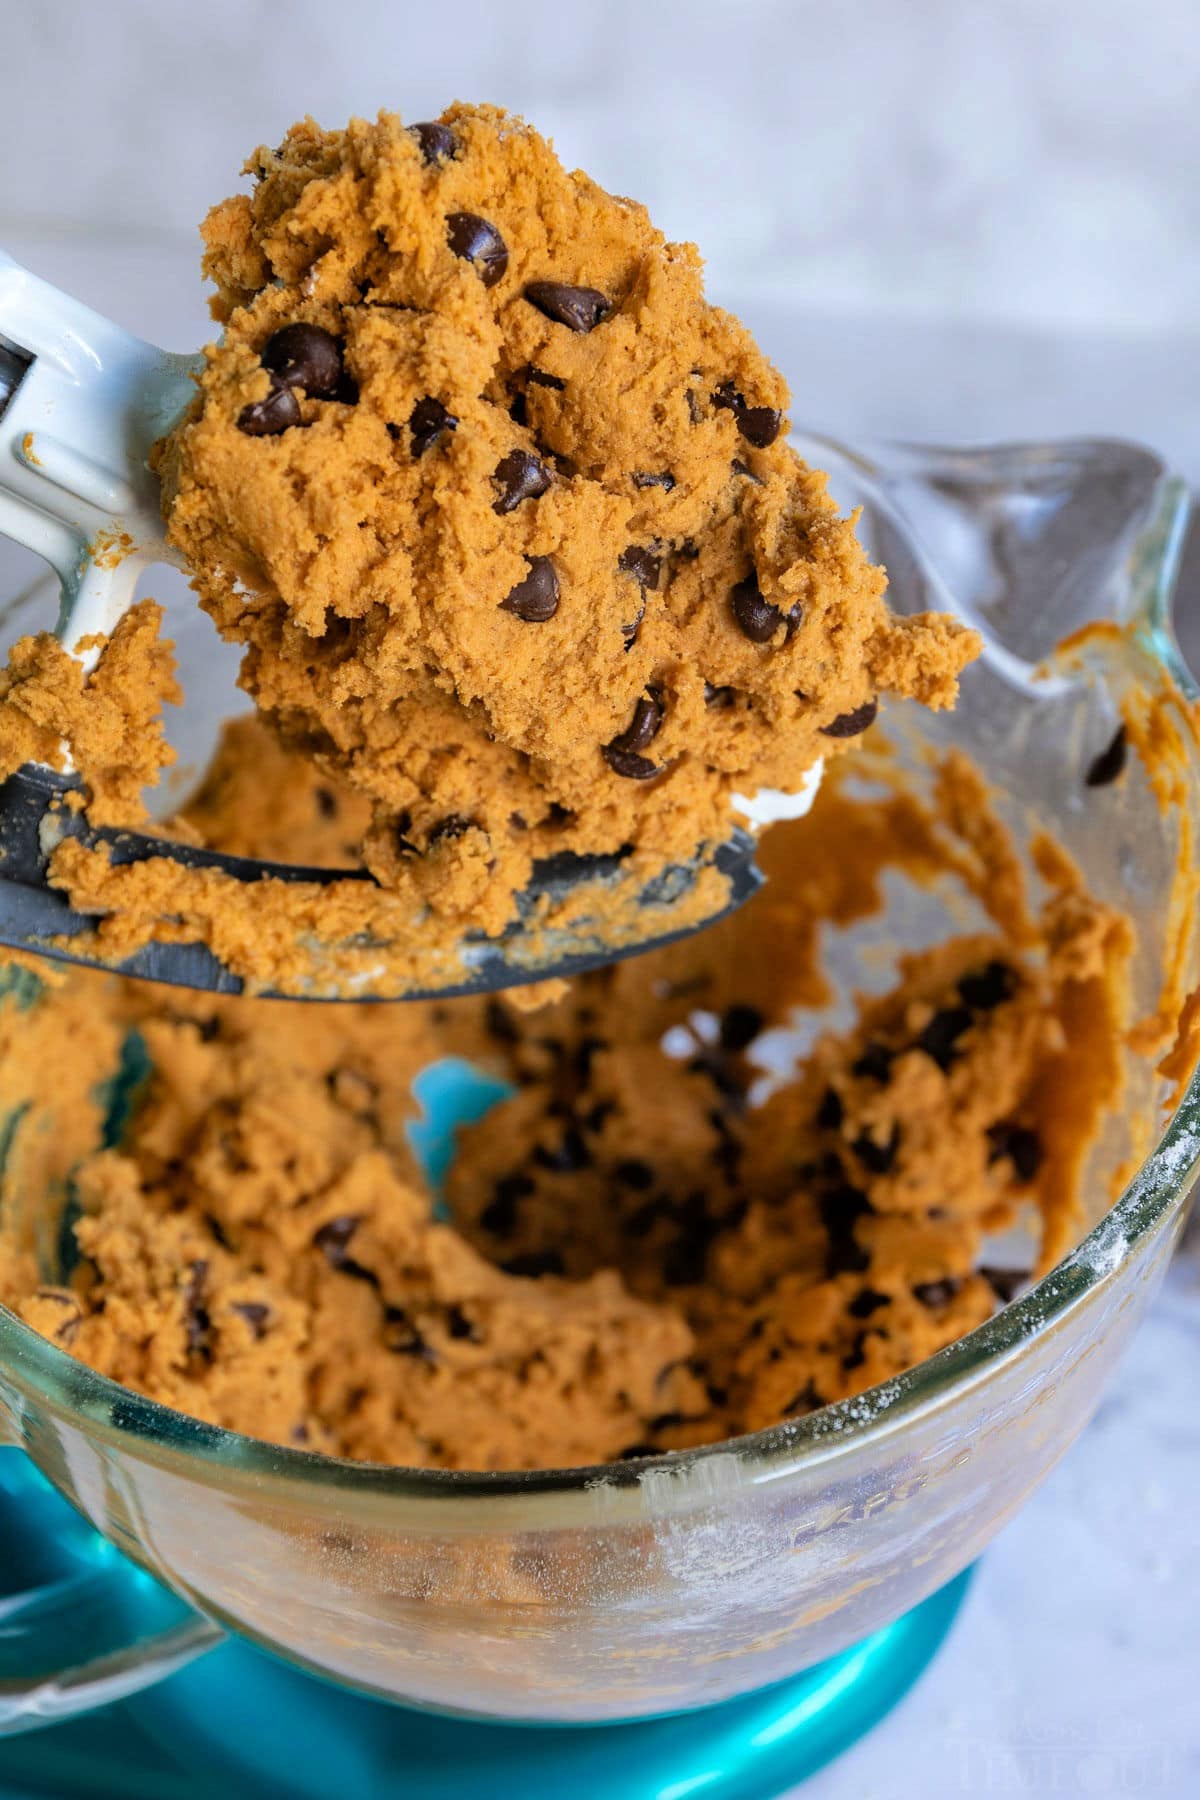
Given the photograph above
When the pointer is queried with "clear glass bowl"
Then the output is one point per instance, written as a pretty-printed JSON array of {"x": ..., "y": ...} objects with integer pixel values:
[{"x": 632, "y": 1590}]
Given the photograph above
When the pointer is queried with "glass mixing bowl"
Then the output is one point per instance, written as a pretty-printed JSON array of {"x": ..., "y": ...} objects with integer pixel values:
[{"x": 626, "y": 1591}]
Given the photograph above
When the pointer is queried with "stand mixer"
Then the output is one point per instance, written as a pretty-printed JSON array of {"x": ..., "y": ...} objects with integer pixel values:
[{"x": 734, "y": 1614}]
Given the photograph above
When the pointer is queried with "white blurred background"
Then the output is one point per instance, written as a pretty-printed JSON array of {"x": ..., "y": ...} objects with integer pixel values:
[{"x": 956, "y": 219}]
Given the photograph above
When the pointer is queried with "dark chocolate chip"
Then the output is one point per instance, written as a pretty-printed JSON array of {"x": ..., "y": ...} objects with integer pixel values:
[
  {"x": 539, "y": 378},
  {"x": 839, "y": 1207},
  {"x": 936, "y": 1293},
  {"x": 277, "y": 411},
  {"x": 578, "y": 308},
  {"x": 1108, "y": 765},
  {"x": 499, "y": 1216},
  {"x": 744, "y": 469},
  {"x": 518, "y": 409},
  {"x": 499, "y": 1023},
  {"x": 875, "y": 1063},
  {"x": 536, "y": 598},
  {"x": 334, "y": 1236},
  {"x": 326, "y": 800},
  {"x": 454, "y": 825},
  {"x": 664, "y": 480},
  {"x": 1006, "y": 1284},
  {"x": 831, "y": 1111},
  {"x": 878, "y": 1158},
  {"x": 255, "y": 1314},
  {"x": 633, "y": 1173},
  {"x": 685, "y": 1262},
  {"x": 850, "y": 724},
  {"x": 866, "y": 1303},
  {"x": 719, "y": 696},
  {"x": 940, "y": 1037},
  {"x": 759, "y": 425},
  {"x": 459, "y": 1326},
  {"x": 570, "y": 1154},
  {"x": 520, "y": 476},
  {"x": 437, "y": 142},
  {"x": 401, "y": 1336},
  {"x": 623, "y": 755},
  {"x": 642, "y": 563},
  {"x": 1022, "y": 1146},
  {"x": 758, "y": 619},
  {"x": 740, "y": 1025},
  {"x": 427, "y": 422},
  {"x": 988, "y": 987},
  {"x": 535, "y": 1262},
  {"x": 856, "y": 1356},
  {"x": 631, "y": 627},
  {"x": 197, "y": 1325},
  {"x": 478, "y": 243},
  {"x": 305, "y": 356},
  {"x": 806, "y": 1400}
]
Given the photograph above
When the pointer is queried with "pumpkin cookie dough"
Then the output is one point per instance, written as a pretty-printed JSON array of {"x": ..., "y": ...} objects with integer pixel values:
[
  {"x": 642, "y": 1248},
  {"x": 504, "y": 513}
]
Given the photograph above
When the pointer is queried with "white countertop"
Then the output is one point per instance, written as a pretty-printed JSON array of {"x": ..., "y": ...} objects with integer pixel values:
[{"x": 1075, "y": 1665}]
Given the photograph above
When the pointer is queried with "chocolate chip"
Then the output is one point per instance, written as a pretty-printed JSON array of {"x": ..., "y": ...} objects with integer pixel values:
[
  {"x": 831, "y": 1111},
  {"x": 255, "y": 1314},
  {"x": 1110, "y": 762},
  {"x": 623, "y": 755},
  {"x": 305, "y": 356},
  {"x": 635, "y": 1174},
  {"x": 499, "y": 1023},
  {"x": 685, "y": 1262},
  {"x": 578, "y": 308},
  {"x": 459, "y": 1326},
  {"x": 1022, "y": 1146},
  {"x": 806, "y": 1400},
  {"x": 478, "y": 243},
  {"x": 631, "y": 627},
  {"x": 642, "y": 563},
  {"x": 664, "y": 480},
  {"x": 499, "y": 1216},
  {"x": 744, "y": 469},
  {"x": 875, "y": 1063},
  {"x": 454, "y": 825},
  {"x": 839, "y": 1207},
  {"x": 437, "y": 142},
  {"x": 326, "y": 800},
  {"x": 876, "y": 1157},
  {"x": 645, "y": 724},
  {"x": 936, "y": 1293},
  {"x": 988, "y": 988},
  {"x": 856, "y": 1356},
  {"x": 520, "y": 476},
  {"x": 401, "y": 1336},
  {"x": 759, "y": 425},
  {"x": 1006, "y": 1284},
  {"x": 334, "y": 1236},
  {"x": 536, "y": 598},
  {"x": 758, "y": 619},
  {"x": 850, "y": 724},
  {"x": 940, "y": 1037},
  {"x": 721, "y": 697},
  {"x": 277, "y": 411},
  {"x": 866, "y": 1303},
  {"x": 534, "y": 1263},
  {"x": 539, "y": 378},
  {"x": 740, "y": 1025},
  {"x": 197, "y": 1326},
  {"x": 427, "y": 422},
  {"x": 569, "y": 1155}
]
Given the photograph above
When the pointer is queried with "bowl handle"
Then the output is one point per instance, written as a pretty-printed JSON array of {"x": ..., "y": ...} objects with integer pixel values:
[{"x": 80, "y": 1625}]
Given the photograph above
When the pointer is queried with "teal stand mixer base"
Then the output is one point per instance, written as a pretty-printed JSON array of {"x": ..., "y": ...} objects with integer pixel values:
[{"x": 239, "y": 1722}]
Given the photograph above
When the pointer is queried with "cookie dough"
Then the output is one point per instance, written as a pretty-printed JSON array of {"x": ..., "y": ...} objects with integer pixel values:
[
  {"x": 644, "y": 1247},
  {"x": 504, "y": 513}
]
